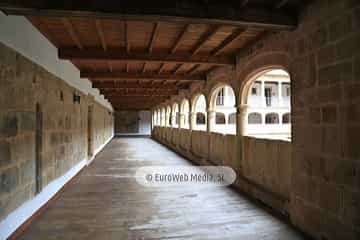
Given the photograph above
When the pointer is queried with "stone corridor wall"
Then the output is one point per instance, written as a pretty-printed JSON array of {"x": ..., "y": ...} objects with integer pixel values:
[
  {"x": 23, "y": 85},
  {"x": 266, "y": 171}
]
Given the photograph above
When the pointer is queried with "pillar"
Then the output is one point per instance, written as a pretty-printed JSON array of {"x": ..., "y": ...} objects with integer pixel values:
[
  {"x": 192, "y": 121},
  {"x": 211, "y": 116},
  {"x": 263, "y": 100},
  {"x": 280, "y": 94},
  {"x": 241, "y": 124},
  {"x": 241, "y": 119},
  {"x": 181, "y": 120},
  {"x": 173, "y": 119}
]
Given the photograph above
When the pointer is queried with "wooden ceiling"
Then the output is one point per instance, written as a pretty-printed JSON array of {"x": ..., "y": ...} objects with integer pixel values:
[{"x": 140, "y": 53}]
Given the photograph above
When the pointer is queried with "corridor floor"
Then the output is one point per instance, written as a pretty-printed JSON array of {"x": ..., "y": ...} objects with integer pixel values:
[{"x": 105, "y": 202}]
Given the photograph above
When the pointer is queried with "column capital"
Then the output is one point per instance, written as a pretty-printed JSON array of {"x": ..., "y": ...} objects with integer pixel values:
[{"x": 241, "y": 108}]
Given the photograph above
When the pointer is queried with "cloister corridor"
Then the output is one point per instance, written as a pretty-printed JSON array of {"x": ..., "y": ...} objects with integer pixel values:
[{"x": 105, "y": 202}]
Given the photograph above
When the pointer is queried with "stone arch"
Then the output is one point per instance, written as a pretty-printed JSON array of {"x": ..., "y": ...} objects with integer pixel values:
[
  {"x": 215, "y": 90},
  {"x": 256, "y": 67},
  {"x": 184, "y": 113},
  {"x": 175, "y": 114},
  {"x": 222, "y": 102}
]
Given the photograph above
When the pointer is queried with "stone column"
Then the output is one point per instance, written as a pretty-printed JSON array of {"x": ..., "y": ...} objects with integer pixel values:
[
  {"x": 263, "y": 100},
  {"x": 181, "y": 120},
  {"x": 173, "y": 119},
  {"x": 280, "y": 94},
  {"x": 211, "y": 120},
  {"x": 241, "y": 124},
  {"x": 192, "y": 120},
  {"x": 167, "y": 119}
]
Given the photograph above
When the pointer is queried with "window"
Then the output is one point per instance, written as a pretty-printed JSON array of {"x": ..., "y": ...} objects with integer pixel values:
[
  {"x": 272, "y": 118},
  {"x": 253, "y": 91},
  {"x": 286, "y": 118},
  {"x": 220, "y": 97},
  {"x": 200, "y": 118},
  {"x": 288, "y": 91},
  {"x": 268, "y": 96},
  {"x": 220, "y": 118},
  {"x": 254, "y": 118},
  {"x": 232, "y": 118}
]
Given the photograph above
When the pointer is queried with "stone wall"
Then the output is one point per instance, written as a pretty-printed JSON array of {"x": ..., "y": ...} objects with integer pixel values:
[
  {"x": 28, "y": 94},
  {"x": 266, "y": 171}
]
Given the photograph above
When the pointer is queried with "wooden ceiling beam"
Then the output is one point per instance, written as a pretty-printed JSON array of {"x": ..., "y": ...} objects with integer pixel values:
[
  {"x": 70, "y": 29},
  {"x": 281, "y": 3},
  {"x": 121, "y": 92},
  {"x": 243, "y": 3},
  {"x": 100, "y": 33},
  {"x": 111, "y": 85},
  {"x": 229, "y": 40},
  {"x": 159, "y": 57},
  {"x": 193, "y": 69},
  {"x": 126, "y": 37},
  {"x": 154, "y": 35},
  {"x": 204, "y": 38},
  {"x": 181, "y": 11},
  {"x": 139, "y": 76},
  {"x": 180, "y": 38},
  {"x": 161, "y": 68},
  {"x": 177, "y": 69}
]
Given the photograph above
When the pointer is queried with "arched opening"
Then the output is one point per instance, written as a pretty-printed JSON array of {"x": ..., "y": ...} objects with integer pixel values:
[
  {"x": 232, "y": 118},
  {"x": 200, "y": 118},
  {"x": 168, "y": 116},
  {"x": 156, "y": 116},
  {"x": 163, "y": 114},
  {"x": 286, "y": 118},
  {"x": 220, "y": 118},
  {"x": 268, "y": 105},
  {"x": 254, "y": 118},
  {"x": 272, "y": 118},
  {"x": 175, "y": 115},
  {"x": 199, "y": 108},
  {"x": 223, "y": 103},
  {"x": 184, "y": 113}
]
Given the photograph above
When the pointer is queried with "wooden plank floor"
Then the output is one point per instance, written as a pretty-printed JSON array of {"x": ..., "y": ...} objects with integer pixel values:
[{"x": 105, "y": 202}]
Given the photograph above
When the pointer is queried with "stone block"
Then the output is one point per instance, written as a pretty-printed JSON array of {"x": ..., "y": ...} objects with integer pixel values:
[
  {"x": 334, "y": 74},
  {"x": 27, "y": 121},
  {"x": 351, "y": 208},
  {"x": 5, "y": 154},
  {"x": 314, "y": 115},
  {"x": 352, "y": 113},
  {"x": 8, "y": 124},
  {"x": 319, "y": 37},
  {"x": 9, "y": 180},
  {"x": 352, "y": 136},
  {"x": 27, "y": 172},
  {"x": 330, "y": 197},
  {"x": 326, "y": 55},
  {"x": 351, "y": 91},
  {"x": 331, "y": 141},
  {"x": 340, "y": 27},
  {"x": 313, "y": 139},
  {"x": 347, "y": 47}
]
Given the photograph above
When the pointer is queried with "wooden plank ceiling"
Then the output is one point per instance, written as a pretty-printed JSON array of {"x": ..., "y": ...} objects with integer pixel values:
[{"x": 138, "y": 58}]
